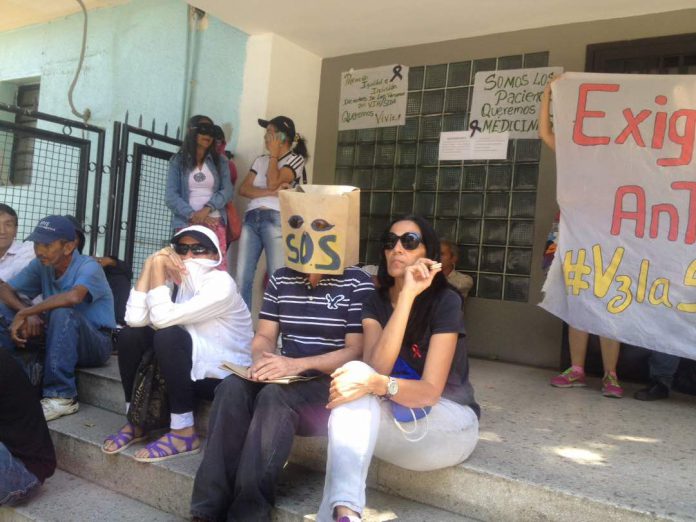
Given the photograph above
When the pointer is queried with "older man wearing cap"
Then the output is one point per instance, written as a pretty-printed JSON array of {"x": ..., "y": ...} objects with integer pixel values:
[{"x": 76, "y": 315}]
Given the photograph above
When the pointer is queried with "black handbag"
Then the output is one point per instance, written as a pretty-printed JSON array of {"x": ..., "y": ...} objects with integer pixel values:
[{"x": 149, "y": 407}]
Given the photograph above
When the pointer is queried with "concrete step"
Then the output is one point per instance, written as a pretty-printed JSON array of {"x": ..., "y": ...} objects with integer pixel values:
[
  {"x": 65, "y": 497},
  {"x": 167, "y": 485},
  {"x": 101, "y": 387},
  {"x": 545, "y": 453}
]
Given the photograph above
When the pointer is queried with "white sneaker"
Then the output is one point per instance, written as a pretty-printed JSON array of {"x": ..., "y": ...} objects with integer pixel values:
[{"x": 55, "y": 407}]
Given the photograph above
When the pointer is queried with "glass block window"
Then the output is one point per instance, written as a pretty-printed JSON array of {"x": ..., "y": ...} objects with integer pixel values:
[{"x": 485, "y": 207}]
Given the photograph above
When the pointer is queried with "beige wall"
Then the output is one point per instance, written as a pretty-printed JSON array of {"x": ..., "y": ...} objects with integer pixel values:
[
  {"x": 279, "y": 78},
  {"x": 504, "y": 330},
  {"x": 294, "y": 89}
]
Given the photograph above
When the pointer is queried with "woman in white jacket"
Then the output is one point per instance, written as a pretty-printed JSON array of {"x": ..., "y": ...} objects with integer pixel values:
[{"x": 192, "y": 331}]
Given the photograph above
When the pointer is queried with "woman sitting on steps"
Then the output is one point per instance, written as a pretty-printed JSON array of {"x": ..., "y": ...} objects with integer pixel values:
[{"x": 192, "y": 333}]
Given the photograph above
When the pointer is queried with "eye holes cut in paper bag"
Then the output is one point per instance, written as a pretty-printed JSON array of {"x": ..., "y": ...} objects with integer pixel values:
[{"x": 321, "y": 228}]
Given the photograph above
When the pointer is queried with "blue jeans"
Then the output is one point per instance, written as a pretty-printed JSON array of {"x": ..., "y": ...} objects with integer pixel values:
[
  {"x": 71, "y": 340},
  {"x": 261, "y": 231},
  {"x": 16, "y": 482},
  {"x": 663, "y": 366}
]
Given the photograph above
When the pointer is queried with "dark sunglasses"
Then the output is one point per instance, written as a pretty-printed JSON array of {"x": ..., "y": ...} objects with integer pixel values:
[
  {"x": 409, "y": 240},
  {"x": 205, "y": 128},
  {"x": 196, "y": 249}
]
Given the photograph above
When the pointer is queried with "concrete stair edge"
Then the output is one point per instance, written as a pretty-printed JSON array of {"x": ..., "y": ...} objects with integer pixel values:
[
  {"x": 465, "y": 489},
  {"x": 65, "y": 496},
  {"x": 167, "y": 486},
  {"x": 471, "y": 491}
]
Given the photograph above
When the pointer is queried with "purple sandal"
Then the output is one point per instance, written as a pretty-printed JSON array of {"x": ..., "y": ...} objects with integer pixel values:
[
  {"x": 122, "y": 439},
  {"x": 160, "y": 450}
]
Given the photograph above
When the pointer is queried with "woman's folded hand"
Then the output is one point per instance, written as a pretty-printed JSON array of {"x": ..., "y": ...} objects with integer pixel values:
[{"x": 349, "y": 384}]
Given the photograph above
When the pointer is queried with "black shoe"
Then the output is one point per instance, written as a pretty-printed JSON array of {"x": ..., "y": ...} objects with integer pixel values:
[{"x": 654, "y": 392}]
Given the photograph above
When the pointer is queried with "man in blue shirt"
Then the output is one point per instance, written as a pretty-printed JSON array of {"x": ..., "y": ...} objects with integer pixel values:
[
  {"x": 253, "y": 422},
  {"x": 76, "y": 315}
]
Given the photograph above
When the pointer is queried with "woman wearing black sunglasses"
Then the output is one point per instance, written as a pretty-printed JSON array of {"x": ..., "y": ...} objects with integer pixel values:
[
  {"x": 198, "y": 183},
  {"x": 410, "y": 402},
  {"x": 191, "y": 332}
]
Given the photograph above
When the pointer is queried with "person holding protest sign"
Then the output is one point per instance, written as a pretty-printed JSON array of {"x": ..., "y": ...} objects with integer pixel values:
[
  {"x": 577, "y": 339},
  {"x": 313, "y": 306},
  {"x": 281, "y": 168},
  {"x": 410, "y": 402}
]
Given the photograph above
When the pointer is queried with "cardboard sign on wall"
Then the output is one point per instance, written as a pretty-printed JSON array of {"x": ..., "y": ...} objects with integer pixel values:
[
  {"x": 373, "y": 97},
  {"x": 508, "y": 101},
  {"x": 321, "y": 228}
]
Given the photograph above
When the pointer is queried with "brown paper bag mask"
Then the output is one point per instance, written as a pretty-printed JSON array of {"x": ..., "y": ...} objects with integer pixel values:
[{"x": 321, "y": 228}]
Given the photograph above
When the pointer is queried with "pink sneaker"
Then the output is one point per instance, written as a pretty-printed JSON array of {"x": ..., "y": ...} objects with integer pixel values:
[
  {"x": 569, "y": 379},
  {"x": 611, "y": 387}
]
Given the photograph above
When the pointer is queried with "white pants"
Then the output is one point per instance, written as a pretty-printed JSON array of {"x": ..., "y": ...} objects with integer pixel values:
[{"x": 364, "y": 427}]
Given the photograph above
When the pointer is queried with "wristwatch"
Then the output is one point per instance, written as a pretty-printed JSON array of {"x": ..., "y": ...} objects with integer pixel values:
[{"x": 392, "y": 388}]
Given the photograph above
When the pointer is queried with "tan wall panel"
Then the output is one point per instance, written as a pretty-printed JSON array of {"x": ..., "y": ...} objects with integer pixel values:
[{"x": 504, "y": 330}]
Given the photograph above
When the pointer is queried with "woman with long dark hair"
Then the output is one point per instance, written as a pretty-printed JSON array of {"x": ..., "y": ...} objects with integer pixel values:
[
  {"x": 282, "y": 167},
  {"x": 410, "y": 402},
  {"x": 198, "y": 183}
]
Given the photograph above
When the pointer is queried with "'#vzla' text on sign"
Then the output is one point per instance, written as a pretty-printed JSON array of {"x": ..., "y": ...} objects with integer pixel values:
[{"x": 625, "y": 265}]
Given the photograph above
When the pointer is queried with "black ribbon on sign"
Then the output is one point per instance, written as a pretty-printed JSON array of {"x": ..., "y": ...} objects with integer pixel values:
[
  {"x": 397, "y": 73},
  {"x": 474, "y": 126}
]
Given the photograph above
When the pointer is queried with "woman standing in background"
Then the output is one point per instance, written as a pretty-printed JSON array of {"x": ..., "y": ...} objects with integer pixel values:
[
  {"x": 281, "y": 168},
  {"x": 198, "y": 183}
]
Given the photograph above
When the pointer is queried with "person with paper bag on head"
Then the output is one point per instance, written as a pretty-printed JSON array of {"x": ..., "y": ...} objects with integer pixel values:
[
  {"x": 314, "y": 306},
  {"x": 321, "y": 228}
]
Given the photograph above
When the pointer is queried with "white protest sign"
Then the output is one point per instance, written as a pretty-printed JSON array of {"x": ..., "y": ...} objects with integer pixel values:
[
  {"x": 508, "y": 101},
  {"x": 625, "y": 266},
  {"x": 373, "y": 97},
  {"x": 461, "y": 145}
]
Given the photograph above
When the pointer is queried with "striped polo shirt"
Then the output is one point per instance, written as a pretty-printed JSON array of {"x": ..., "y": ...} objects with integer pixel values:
[{"x": 315, "y": 320}]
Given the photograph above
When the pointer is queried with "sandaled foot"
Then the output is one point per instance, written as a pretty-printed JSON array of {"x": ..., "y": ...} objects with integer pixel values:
[
  {"x": 165, "y": 448},
  {"x": 126, "y": 436}
]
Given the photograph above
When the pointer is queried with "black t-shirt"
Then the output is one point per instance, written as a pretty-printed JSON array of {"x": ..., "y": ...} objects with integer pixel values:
[
  {"x": 446, "y": 317},
  {"x": 23, "y": 429},
  {"x": 119, "y": 279}
]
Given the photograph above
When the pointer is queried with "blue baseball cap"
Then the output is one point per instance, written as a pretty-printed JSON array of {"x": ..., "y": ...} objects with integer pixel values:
[{"x": 53, "y": 228}]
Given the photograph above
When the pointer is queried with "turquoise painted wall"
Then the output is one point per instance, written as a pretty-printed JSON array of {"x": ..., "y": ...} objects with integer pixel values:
[{"x": 135, "y": 61}]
